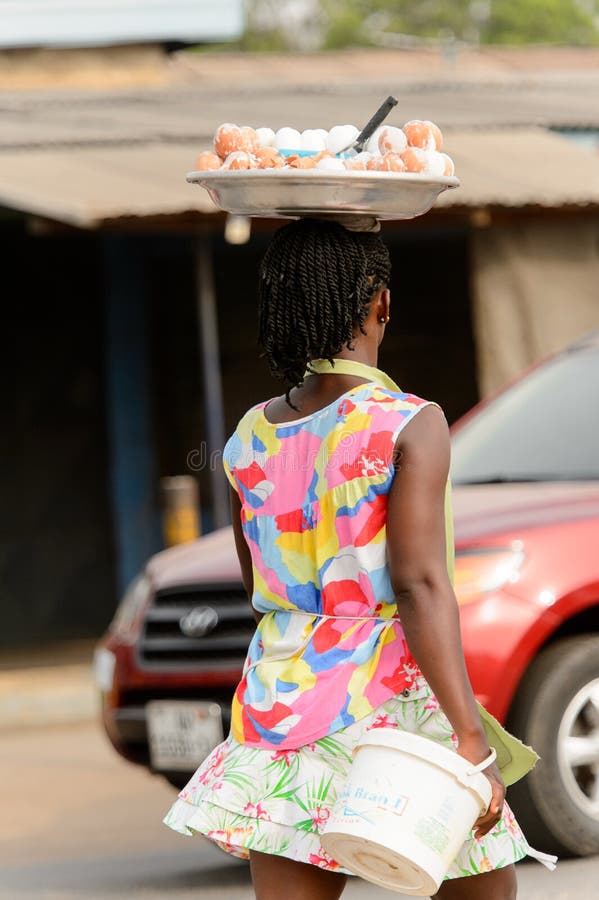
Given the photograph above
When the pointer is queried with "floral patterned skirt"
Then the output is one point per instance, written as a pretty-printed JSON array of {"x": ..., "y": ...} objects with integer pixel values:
[{"x": 278, "y": 802}]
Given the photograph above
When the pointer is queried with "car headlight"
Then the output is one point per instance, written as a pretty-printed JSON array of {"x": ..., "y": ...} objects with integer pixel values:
[
  {"x": 103, "y": 667},
  {"x": 484, "y": 569},
  {"x": 130, "y": 608}
]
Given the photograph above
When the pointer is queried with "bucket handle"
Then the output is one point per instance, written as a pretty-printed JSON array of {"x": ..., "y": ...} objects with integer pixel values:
[
  {"x": 489, "y": 760},
  {"x": 475, "y": 770}
]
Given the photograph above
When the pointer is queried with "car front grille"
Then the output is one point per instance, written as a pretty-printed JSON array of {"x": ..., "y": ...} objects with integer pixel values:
[{"x": 164, "y": 643}]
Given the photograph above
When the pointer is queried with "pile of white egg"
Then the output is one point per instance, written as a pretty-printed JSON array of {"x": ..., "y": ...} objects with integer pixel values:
[{"x": 416, "y": 148}]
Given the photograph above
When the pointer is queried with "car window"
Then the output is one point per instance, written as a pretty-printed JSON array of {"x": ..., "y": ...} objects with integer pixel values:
[{"x": 544, "y": 428}]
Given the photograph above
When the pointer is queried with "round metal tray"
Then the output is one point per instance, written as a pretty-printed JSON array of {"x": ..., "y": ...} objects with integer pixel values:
[{"x": 289, "y": 193}]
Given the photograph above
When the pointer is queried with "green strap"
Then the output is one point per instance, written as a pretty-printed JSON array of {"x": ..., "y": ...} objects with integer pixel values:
[
  {"x": 371, "y": 373},
  {"x": 351, "y": 367}
]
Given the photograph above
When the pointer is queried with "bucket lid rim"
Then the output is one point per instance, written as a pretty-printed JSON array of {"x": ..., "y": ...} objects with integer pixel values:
[{"x": 428, "y": 750}]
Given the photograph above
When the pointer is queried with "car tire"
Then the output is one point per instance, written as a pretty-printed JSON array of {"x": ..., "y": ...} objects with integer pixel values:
[{"x": 552, "y": 803}]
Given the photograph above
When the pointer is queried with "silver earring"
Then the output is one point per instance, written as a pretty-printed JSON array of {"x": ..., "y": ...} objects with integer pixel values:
[{"x": 383, "y": 319}]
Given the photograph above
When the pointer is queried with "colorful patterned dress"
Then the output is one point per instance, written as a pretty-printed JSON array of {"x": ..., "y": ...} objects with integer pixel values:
[{"x": 329, "y": 659}]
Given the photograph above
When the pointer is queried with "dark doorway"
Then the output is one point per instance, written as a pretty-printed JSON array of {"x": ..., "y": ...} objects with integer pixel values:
[
  {"x": 429, "y": 348},
  {"x": 56, "y": 559}
]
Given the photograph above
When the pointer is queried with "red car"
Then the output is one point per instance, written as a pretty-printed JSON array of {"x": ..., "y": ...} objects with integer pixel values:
[{"x": 526, "y": 498}]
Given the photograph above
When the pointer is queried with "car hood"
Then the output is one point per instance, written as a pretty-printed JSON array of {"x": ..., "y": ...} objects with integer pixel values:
[
  {"x": 209, "y": 559},
  {"x": 480, "y": 512}
]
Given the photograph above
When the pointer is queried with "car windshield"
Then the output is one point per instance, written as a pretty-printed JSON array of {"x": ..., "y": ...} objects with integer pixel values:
[{"x": 543, "y": 428}]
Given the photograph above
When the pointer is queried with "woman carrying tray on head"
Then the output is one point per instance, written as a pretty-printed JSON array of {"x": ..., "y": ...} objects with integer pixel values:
[{"x": 338, "y": 494}]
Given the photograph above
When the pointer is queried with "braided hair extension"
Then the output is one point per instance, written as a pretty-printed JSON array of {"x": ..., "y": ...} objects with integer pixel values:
[{"x": 316, "y": 281}]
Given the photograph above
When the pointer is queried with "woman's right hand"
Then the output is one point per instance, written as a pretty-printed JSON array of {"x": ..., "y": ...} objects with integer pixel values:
[{"x": 489, "y": 819}]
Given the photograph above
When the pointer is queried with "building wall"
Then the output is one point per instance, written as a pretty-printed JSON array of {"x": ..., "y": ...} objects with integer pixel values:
[
  {"x": 534, "y": 292},
  {"x": 56, "y": 550}
]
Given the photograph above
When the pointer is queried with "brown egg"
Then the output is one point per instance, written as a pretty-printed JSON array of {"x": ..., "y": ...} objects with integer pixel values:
[
  {"x": 392, "y": 162},
  {"x": 425, "y": 135},
  {"x": 239, "y": 159},
  {"x": 449, "y": 164},
  {"x": 392, "y": 139},
  {"x": 249, "y": 139},
  {"x": 414, "y": 159},
  {"x": 207, "y": 160},
  {"x": 322, "y": 155},
  {"x": 302, "y": 162},
  {"x": 269, "y": 158},
  {"x": 374, "y": 164},
  {"x": 228, "y": 139},
  {"x": 358, "y": 163}
]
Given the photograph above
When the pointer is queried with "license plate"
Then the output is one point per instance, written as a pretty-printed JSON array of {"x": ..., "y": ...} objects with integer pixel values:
[{"x": 181, "y": 733}]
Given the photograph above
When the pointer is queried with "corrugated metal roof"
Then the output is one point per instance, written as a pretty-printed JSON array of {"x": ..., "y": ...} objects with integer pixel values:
[
  {"x": 90, "y": 186},
  {"x": 446, "y": 61},
  {"x": 462, "y": 87},
  {"x": 254, "y": 94},
  {"x": 86, "y": 187},
  {"x": 524, "y": 167}
]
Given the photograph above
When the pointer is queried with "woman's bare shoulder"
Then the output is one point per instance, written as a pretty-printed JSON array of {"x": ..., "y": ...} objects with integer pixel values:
[{"x": 424, "y": 440}]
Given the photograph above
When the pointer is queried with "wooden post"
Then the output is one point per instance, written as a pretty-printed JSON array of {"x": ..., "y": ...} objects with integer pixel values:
[{"x": 211, "y": 378}]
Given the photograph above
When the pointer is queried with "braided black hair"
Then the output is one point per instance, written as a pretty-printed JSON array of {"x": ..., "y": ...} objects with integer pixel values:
[{"x": 316, "y": 281}]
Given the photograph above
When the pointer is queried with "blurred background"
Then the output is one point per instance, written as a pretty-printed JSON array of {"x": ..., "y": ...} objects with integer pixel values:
[{"x": 129, "y": 299}]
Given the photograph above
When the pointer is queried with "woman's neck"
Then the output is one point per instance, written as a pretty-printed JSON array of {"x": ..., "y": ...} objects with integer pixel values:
[{"x": 363, "y": 352}]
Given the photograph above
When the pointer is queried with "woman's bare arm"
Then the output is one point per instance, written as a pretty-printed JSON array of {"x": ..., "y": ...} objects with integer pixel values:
[
  {"x": 425, "y": 598},
  {"x": 243, "y": 551}
]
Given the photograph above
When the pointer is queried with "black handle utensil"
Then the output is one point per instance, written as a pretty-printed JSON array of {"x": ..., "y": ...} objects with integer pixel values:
[{"x": 371, "y": 126}]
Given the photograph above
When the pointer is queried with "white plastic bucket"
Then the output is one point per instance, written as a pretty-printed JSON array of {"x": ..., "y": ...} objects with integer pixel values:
[{"x": 406, "y": 808}]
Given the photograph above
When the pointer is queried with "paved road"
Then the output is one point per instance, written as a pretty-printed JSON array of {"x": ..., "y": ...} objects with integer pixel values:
[{"x": 79, "y": 823}]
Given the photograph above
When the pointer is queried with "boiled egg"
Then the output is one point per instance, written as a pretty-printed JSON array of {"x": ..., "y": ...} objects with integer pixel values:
[
  {"x": 239, "y": 159},
  {"x": 269, "y": 158},
  {"x": 266, "y": 136},
  {"x": 207, "y": 161},
  {"x": 358, "y": 163},
  {"x": 425, "y": 135},
  {"x": 372, "y": 145},
  {"x": 330, "y": 164},
  {"x": 449, "y": 164},
  {"x": 249, "y": 139},
  {"x": 392, "y": 139},
  {"x": 287, "y": 139},
  {"x": 415, "y": 159},
  {"x": 312, "y": 139},
  {"x": 392, "y": 162},
  {"x": 340, "y": 137},
  {"x": 227, "y": 139},
  {"x": 302, "y": 162}
]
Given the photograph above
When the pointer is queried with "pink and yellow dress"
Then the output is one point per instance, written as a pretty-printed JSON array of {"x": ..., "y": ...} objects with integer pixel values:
[{"x": 329, "y": 659}]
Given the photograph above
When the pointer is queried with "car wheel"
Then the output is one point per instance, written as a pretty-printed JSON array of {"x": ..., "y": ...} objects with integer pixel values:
[{"x": 556, "y": 711}]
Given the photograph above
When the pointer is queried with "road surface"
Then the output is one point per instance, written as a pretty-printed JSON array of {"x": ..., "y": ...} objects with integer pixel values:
[{"x": 79, "y": 823}]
